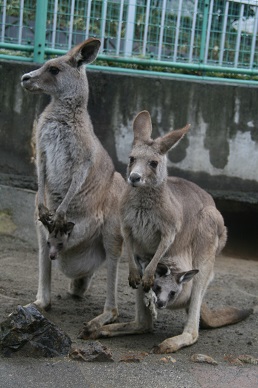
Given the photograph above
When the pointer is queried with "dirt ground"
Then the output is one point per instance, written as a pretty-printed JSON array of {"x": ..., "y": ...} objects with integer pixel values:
[{"x": 235, "y": 284}]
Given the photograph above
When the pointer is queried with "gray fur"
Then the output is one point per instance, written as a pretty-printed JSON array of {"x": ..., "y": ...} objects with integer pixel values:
[
  {"x": 166, "y": 219},
  {"x": 76, "y": 181}
]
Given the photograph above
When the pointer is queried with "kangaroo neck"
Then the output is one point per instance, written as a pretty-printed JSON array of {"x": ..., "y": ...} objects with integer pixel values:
[
  {"x": 72, "y": 100},
  {"x": 69, "y": 103},
  {"x": 147, "y": 197},
  {"x": 67, "y": 109}
]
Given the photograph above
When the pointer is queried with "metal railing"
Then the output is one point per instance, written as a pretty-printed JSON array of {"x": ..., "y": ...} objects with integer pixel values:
[{"x": 195, "y": 36}]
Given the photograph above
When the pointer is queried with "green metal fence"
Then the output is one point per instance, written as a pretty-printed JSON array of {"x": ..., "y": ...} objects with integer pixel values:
[{"x": 205, "y": 37}]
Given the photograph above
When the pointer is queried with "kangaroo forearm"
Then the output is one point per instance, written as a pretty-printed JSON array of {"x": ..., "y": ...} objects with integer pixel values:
[
  {"x": 41, "y": 189},
  {"x": 74, "y": 188},
  {"x": 128, "y": 253},
  {"x": 134, "y": 277},
  {"x": 40, "y": 195},
  {"x": 163, "y": 247}
]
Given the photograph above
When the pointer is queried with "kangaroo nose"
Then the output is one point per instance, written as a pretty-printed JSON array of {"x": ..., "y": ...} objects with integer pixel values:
[
  {"x": 135, "y": 177},
  {"x": 52, "y": 256},
  {"x": 161, "y": 304}
]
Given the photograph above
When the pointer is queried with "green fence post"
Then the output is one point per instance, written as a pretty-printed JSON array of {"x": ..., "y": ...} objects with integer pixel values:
[
  {"x": 40, "y": 31},
  {"x": 204, "y": 29}
]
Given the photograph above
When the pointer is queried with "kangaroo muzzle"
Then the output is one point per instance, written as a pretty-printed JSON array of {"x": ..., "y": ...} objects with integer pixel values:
[
  {"x": 134, "y": 178},
  {"x": 161, "y": 304}
]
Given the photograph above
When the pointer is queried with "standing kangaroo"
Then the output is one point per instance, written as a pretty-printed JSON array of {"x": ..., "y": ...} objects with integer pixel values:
[
  {"x": 166, "y": 219},
  {"x": 76, "y": 181}
]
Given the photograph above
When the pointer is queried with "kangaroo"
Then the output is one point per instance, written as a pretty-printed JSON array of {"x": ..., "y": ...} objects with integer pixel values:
[
  {"x": 57, "y": 240},
  {"x": 165, "y": 219},
  {"x": 76, "y": 181},
  {"x": 170, "y": 286},
  {"x": 172, "y": 290}
]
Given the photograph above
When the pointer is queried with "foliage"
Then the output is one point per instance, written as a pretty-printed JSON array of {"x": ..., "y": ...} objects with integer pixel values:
[{"x": 109, "y": 27}]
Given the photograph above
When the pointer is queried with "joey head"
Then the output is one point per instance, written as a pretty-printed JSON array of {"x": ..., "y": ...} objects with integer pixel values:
[{"x": 169, "y": 284}]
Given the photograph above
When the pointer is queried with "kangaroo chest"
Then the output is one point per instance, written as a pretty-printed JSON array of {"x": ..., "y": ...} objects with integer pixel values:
[
  {"x": 61, "y": 152},
  {"x": 57, "y": 143},
  {"x": 144, "y": 225}
]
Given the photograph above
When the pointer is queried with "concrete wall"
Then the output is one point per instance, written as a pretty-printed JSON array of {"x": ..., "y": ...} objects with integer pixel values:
[{"x": 220, "y": 152}]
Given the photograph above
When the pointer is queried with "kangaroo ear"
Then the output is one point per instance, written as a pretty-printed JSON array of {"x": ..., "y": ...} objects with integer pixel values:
[
  {"x": 85, "y": 52},
  {"x": 171, "y": 139},
  {"x": 185, "y": 277},
  {"x": 142, "y": 127},
  {"x": 162, "y": 270},
  {"x": 69, "y": 227}
]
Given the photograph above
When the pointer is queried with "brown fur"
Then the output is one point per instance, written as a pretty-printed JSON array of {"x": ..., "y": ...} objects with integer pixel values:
[{"x": 212, "y": 319}]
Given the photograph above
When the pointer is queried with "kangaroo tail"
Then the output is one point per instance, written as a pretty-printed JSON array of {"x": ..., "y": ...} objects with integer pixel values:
[
  {"x": 222, "y": 234},
  {"x": 211, "y": 319}
]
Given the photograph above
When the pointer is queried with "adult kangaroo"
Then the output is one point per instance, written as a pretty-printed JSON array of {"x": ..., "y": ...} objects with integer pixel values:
[
  {"x": 169, "y": 220},
  {"x": 76, "y": 182}
]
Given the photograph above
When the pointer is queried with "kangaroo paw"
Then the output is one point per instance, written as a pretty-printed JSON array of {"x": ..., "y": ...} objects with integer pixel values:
[
  {"x": 147, "y": 283},
  {"x": 134, "y": 279},
  {"x": 45, "y": 216},
  {"x": 60, "y": 223}
]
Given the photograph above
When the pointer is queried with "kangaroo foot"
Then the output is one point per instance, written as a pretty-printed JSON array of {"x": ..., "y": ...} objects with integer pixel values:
[
  {"x": 171, "y": 345},
  {"x": 92, "y": 329}
]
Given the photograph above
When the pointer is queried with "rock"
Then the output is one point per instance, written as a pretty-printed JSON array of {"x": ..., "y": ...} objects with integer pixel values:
[
  {"x": 248, "y": 359},
  {"x": 203, "y": 358},
  {"x": 168, "y": 359},
  {"x": 241, "y": 359},
  {"x": 93, "y": 351},
  {"x": 28, "y": 332}
]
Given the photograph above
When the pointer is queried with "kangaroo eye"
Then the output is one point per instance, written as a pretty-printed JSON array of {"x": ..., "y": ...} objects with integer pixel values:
[
  {"x": 60, "y": 245},
  {"x": 48, "y": 243},
  {"x": 156, "y": 288},
  {"x": 53, "y": 70},
  {"x": 153, "y": 163},
  {"x": 131, "y": 160},
  {"x": 171, "y": 294}
]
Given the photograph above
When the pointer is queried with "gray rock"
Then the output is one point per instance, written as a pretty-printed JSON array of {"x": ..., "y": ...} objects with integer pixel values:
[
  {"x": 28, "y": 332},
  {"x": 92, "y": 351}
]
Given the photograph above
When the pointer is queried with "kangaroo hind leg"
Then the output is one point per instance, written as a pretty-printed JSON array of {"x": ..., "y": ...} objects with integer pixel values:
[
  {"x": 191, "y": 329},
  {"x": 110, "y": 313}
]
